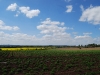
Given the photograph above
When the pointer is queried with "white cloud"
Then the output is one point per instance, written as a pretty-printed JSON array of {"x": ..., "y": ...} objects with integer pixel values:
[
  {"x": 97, "y": 40},
  {"x": 17, "y": 14},
  {"x": 87, "y": 33},
  {"x": 5, "y": 27},
  {"x": 82, "y": 8},
  {"x": 51, "y": 27},
  {"x": 49, "y": 22},
  {"x": 12, "y": 7},
  {"x": 29, "y": 13},
  {"x": 91, "y": 15},
  {"x": 85, "y": 39},
  {"x": 69, "y": 8},
  {"x": 75, "y": 33},
  {"x": 56, "y": 39},
  {"x": 53, "y": 33},
  {"x": 25, "y": 39},
  {"x": 15, "y": 28},
  {"x": 17, "y": 38},
  {"x": 62, "y": 23},
  {"x": 82, "y": 37},
  {"x": 67, "y": 0},
  {"x": 25, "y": 10},
  {"x": 69, "y": 28}
]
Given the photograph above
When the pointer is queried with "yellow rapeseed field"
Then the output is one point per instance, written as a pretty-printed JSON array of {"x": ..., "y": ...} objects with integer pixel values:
[{"x": 13, "y": 49}]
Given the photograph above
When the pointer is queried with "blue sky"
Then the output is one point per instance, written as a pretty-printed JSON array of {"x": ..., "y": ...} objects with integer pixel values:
[{"x": 49, "y": 22}]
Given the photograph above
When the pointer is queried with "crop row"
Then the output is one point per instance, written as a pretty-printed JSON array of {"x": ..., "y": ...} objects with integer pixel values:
[{"x": 44, "y": 62}]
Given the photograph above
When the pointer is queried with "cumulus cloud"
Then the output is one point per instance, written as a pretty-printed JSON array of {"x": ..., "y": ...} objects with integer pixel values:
[
  {"x": 97, "y": 40},
  {"x": 85, "y": 39},
  {"x": 5, "y": 27},
  {"x": 57, "y": 39},
  {"x": 29, "y": 13},
  {"x": 53, "y": 33},
  {"x": 51, "y": 27},
  {"x": 91, "y": 15},
  {"x": 25, "y": 10},
  {"x": 25, "y": 39},
  {"x": 17, "y": 38},
  {"x": 69, "y": 8},
  {"x": 12, "y": 7}
]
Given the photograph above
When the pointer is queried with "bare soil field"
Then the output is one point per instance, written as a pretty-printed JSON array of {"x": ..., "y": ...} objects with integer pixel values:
[
  {"x": 96, "y": 48},
  {"x": 50, "y": 62}
]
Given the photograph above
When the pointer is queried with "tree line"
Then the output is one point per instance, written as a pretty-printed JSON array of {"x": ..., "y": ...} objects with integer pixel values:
[{"x": 52, "y": 46}]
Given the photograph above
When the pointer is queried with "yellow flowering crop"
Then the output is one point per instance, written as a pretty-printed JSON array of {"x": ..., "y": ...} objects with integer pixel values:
[{"x": 13, "y": 49}]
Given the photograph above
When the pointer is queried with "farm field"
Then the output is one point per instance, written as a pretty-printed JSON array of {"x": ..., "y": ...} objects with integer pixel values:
[
  {"x": 50, "y": 62},
  {"x": 23, "y": 48},
  {"x": 95, "y": 48}
]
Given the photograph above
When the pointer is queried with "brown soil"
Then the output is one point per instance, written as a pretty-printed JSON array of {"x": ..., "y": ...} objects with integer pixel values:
[
  {"x": 75, "y": 64},
  {"x": 97, "y": 48}
]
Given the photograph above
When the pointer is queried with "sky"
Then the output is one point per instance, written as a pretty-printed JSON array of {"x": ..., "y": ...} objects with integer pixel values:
[{"x": 49, "y": 22}]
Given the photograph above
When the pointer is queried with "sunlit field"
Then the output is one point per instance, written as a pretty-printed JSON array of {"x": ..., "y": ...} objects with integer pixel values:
[
  {"x": 60, "y": 61},
  {"x": 23, "y": 48}
]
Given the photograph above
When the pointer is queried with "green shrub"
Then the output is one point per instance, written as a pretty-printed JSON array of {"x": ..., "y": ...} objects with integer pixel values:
[{"x": 0, "y": 49}]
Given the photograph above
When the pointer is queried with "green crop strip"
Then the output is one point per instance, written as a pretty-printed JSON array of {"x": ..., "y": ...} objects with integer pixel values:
[{"x": 50, "y": 62}]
